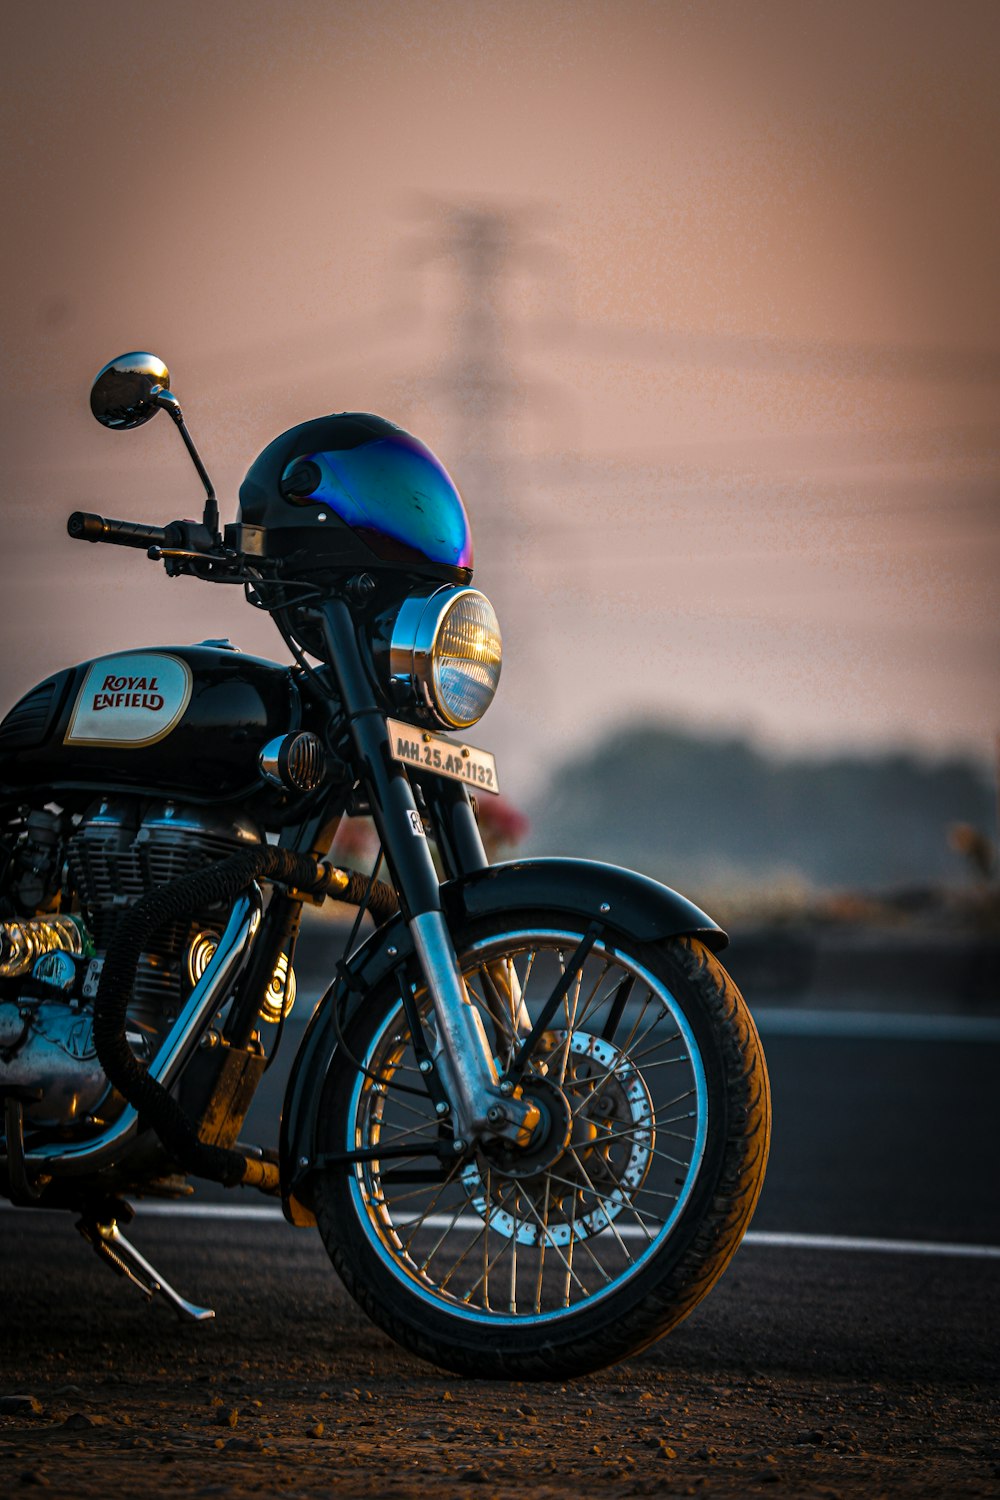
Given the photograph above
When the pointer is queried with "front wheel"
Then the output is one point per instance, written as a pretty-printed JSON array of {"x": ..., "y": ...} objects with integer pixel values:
[{"x": 627, "y": 1206}]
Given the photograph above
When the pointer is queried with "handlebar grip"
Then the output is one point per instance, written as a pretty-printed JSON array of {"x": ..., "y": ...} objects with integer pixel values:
[{"x": 84, "y": 526}]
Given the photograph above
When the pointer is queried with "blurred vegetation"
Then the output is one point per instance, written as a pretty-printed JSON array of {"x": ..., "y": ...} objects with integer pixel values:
[{"x": 848, "y": 837}]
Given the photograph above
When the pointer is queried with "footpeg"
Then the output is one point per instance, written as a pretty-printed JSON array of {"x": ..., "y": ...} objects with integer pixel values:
[{"x": 112, "y": 1247}]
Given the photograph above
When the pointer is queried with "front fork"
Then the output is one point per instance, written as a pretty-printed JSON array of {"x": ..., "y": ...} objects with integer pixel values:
[{"x": 481, "y": 1104}]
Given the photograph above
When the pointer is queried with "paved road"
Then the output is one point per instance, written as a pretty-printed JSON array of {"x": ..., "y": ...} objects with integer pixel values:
[
  {"x": 805, "y": 1373},
  {"x": 812, "y": 1371},
  {"x": 884, "y": 1137}
]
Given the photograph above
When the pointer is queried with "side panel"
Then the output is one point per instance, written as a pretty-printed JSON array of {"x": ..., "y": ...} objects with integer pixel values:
[{"x": 632, "y": 903}]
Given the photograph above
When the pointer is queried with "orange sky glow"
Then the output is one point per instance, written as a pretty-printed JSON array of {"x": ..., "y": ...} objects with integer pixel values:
[{"x": 743, "y": 467}]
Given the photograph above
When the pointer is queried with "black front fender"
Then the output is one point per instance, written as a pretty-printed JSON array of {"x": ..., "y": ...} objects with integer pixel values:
[{"x": 631, "y": 903}]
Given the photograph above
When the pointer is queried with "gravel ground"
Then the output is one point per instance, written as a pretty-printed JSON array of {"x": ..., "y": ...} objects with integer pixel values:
[{"x": 802, "y": 1374}]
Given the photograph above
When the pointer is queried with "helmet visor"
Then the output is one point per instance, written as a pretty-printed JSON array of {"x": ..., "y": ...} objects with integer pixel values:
[{"x": 397, "y": 496}]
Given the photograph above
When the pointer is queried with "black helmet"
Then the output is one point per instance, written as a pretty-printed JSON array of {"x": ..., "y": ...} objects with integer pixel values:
[{"x": 354, "y": 490}]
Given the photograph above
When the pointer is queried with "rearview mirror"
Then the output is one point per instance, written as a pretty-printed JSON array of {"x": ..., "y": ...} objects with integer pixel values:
[{"x": 125, "y": 392}]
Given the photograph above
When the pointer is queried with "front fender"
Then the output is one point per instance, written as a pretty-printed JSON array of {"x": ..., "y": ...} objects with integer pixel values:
[{"x": 633, "y": 904}]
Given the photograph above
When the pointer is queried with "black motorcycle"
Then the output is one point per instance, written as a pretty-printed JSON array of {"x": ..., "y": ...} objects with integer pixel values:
[{"x": 530, "y": 1116}]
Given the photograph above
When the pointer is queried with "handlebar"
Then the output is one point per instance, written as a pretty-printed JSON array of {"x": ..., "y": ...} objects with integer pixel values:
[
  {"x": 182, "y": 547},
  {"x": 84, "y": 526}
]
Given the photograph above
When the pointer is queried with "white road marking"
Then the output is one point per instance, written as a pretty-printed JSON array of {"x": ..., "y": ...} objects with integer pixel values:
[
  {"x": 870, "y": 1025},
  {"x": 858, "y": 1244},
  {"x": 869, "y": 1246}
]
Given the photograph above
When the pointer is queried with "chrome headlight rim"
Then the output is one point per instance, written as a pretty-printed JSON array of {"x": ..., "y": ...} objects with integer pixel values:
[{"x": 413, "y": 657}]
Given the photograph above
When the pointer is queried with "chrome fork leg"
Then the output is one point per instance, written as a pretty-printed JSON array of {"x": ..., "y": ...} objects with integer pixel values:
[
  {"x": 482, "y": 1103},
  {"x": 465, "y": 1056}
]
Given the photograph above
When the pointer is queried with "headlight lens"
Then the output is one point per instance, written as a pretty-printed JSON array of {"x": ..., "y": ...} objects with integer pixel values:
[
  {"x": 445, "y": 655},
  {"x": 466, "y": 660}
]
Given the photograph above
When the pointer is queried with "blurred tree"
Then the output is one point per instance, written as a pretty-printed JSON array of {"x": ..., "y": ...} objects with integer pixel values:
[{"x": 709, "y": 810}]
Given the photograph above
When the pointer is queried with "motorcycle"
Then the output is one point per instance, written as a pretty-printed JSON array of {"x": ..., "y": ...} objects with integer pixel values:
[{"x": 530, "y": 1116}]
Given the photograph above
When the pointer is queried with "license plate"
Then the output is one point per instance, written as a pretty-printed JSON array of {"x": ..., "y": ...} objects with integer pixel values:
[{"x": 432, "y": 752}]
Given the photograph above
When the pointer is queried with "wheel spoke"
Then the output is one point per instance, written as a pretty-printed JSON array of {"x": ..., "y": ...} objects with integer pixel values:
[
  {"x": 399, "y": 1103},
  {"x": 417, "y": 1224},
  {"x": 666, "y": 1062},
  {"x": 648, "y": 1051},
  {"x": 558, "y": 1251},
  {"x": 469, "y": 1198},
  {"x": 401, "y": 1135},
  {"x": 486, "y": 1244},
  {"x": 410, "y": 1193},
  {"x": 461, "y": 1259},
  {"x": 586, "y": 1175},
  {"x": 569, "y": 1254},
  {"x": 544, "y": 1221},
  {"x": 658, "y": 1193},
  {"x": 578, "y": 1018},
  {"x": 483, "y": 1277}
]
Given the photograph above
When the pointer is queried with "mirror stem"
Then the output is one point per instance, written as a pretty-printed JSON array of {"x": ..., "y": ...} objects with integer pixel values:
[{"x": 210, "y": 519}]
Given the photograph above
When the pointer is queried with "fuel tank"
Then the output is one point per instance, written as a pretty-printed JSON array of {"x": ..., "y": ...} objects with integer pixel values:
[{"x": 184, "y": 720}]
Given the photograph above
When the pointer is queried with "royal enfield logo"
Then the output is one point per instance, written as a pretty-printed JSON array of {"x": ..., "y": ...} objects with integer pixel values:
[
  {"x": 130, "y": 700},
  {"x": 128, "y": 692}
]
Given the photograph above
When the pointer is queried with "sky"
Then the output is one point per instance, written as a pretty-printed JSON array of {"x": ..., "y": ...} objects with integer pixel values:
[{"x": 725, "y": 415}]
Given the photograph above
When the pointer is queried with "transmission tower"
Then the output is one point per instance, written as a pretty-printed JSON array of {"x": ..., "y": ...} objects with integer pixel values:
[
  {"x": 479, "y": 382},
  {"x": 483, "y": 247}
]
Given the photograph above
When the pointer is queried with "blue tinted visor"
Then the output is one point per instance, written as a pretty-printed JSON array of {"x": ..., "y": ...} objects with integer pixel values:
[{"x": 397, "y": 496}]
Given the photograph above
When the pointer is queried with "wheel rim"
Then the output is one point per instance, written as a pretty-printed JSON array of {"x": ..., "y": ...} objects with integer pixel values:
[{"x": 489, "y": 1240}]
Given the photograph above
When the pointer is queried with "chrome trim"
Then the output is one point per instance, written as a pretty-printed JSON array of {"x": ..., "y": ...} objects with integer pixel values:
[
  {"x": 463, "y": 1051},
  {"x": 269, "y": 762},
  {"x": 413, "y": 633},
  {"x": 294, "y": 762},
  {"x": 208, "y": 995},
  {"x": 411, "y": 650}
]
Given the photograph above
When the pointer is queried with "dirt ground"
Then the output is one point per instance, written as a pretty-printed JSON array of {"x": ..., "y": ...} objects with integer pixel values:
[{"x": 291, "y": 1392}]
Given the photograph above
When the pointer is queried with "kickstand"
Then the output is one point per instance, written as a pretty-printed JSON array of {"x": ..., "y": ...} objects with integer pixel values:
[{"x": 102, "y": 1232}]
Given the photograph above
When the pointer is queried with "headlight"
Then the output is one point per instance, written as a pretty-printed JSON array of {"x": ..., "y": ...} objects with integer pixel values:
[{"x": 444, "y": 655}]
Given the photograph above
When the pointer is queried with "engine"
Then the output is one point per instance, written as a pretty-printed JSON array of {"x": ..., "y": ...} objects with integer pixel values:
[{"x": 65, "y": 890}]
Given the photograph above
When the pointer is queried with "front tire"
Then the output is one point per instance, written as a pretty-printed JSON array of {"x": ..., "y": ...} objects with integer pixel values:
[{"x": 566, "y": 1259}]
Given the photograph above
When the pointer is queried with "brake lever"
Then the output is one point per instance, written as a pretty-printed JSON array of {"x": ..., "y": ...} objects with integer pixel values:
[
  {"x": 212, "y": 566},
  {"x": 159, "y": 554}
]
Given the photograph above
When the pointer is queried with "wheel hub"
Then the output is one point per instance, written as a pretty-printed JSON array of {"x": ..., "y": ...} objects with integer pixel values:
[
  {"x": 549, "y": 1139},
  {"x": 595, "y": 1149}
]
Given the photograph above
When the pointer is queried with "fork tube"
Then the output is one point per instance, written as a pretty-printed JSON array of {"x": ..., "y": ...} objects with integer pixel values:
[
  {"x": 468, "y": 1063},
  {"x": 390, "y": 795},
  {"x": 459, "y": 841}
]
